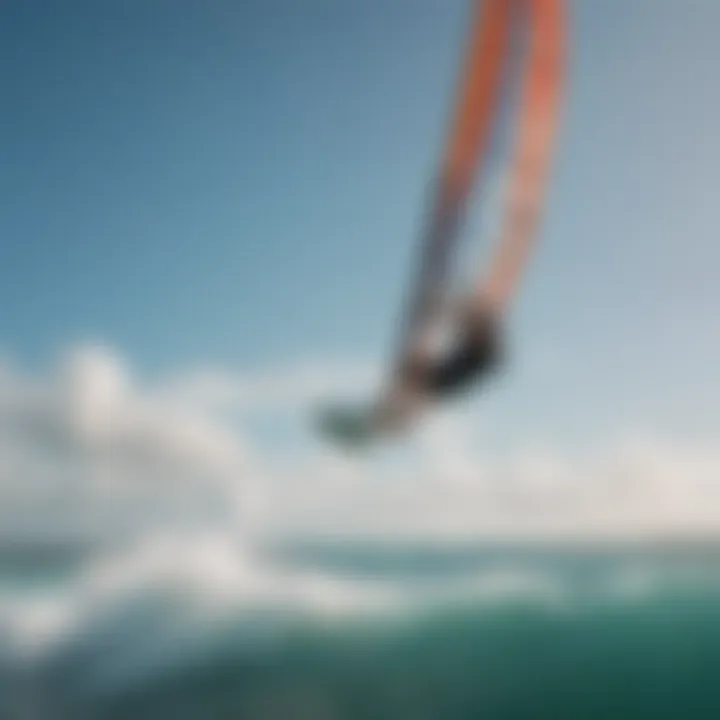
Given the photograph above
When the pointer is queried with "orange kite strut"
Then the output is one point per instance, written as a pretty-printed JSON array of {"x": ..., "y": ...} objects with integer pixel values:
[
  {"x": 418, "y": 378},
  {"x": 476, "y": 110}
]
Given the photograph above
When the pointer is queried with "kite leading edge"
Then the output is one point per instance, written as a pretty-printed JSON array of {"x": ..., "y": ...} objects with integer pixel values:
[{"x": 419, "y": 376}]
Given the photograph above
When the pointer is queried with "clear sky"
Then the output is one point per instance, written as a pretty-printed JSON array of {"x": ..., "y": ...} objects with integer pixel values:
[{"x": 233, "y": 183}]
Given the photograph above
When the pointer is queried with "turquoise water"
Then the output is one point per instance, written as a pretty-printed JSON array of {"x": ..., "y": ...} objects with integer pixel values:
[{"x": 598, "y": 647}]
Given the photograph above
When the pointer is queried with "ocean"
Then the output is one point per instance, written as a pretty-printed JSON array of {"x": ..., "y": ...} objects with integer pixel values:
[{"x": 202, "y": 627}]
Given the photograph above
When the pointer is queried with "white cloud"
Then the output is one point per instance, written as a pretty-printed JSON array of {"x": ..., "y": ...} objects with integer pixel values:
[
  {"x": 448, "y": 487},
  {"x": 90, "y": 444}
]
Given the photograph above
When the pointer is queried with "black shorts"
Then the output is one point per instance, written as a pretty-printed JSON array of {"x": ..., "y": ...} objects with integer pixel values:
[{"x": 476, "y": 354}]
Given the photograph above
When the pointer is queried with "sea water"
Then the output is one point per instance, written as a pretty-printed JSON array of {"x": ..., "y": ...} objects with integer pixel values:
[{"x": 202, "y": 627}]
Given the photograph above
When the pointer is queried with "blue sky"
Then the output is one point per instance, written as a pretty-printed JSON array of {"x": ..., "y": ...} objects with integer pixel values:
[{"x": 239, "y": 184}]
